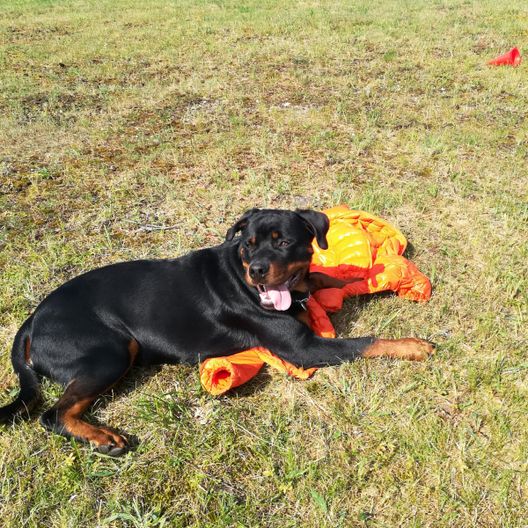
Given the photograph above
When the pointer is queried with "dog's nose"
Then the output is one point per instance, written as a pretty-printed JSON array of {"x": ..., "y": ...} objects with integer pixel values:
[{"x": 258, "y": 270}]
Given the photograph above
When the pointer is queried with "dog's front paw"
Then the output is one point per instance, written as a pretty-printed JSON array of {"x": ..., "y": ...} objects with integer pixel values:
[
  {"x": 409, "y": 348},
  {"x": 109, "y": 443},
  {"x": 413, "y": 349}
]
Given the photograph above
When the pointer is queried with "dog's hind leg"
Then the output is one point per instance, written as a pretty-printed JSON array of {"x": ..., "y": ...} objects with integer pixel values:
[{"x": 103, "y": 372}]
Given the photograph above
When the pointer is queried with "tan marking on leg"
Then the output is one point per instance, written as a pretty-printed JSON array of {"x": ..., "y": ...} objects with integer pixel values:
[
  {"x": 27, "y": 356},
  {"x": 98, "y": 436},
  {"x": 70, "y": 414},
  {"x": 133, "y": 350},
  {"x": 408, "y": 348}
]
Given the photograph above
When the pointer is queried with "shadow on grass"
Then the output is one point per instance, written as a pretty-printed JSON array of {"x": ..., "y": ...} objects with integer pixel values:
[
  {"x": 410, "y": 251},
  {"x": 351, "y": 311},
  {"x": 252, "y": 386}
]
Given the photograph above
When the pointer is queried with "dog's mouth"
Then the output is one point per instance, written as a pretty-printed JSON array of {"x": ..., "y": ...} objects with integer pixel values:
[{"x": 278, "y": 297}]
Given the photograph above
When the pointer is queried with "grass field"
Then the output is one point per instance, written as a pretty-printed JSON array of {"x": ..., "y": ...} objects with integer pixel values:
[{"x": 132, "y": 130}]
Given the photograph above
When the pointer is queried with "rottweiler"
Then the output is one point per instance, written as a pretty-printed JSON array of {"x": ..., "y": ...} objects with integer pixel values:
[{"x": 249, "y": 291}]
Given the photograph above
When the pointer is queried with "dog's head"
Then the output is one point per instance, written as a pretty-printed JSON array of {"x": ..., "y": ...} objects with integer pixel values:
[{"x": 276, "y": 250}]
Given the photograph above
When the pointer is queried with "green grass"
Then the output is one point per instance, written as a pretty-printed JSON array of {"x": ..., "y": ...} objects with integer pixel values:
[{"x": 119, "y": 117}]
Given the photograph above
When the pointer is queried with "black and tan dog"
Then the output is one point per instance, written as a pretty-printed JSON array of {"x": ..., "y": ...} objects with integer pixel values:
[{"x": 246, "y": 292}]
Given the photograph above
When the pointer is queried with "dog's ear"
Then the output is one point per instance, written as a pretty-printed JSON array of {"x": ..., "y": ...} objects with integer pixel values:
[
  {"x": 240, "y": 224},
  {"x": 317, "y": 224}
]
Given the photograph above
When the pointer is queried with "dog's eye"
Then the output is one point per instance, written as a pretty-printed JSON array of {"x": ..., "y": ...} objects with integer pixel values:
[{"x": 284, "y": 243}]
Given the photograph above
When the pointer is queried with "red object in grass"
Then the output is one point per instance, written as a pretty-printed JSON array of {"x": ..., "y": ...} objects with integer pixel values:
[{"x": 512, "y": 58}]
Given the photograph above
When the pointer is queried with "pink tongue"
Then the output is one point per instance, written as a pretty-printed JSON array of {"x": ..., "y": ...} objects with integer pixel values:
[{"x": 280, "y": 297}]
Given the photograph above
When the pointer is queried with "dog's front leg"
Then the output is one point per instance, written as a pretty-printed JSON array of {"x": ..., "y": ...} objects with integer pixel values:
[{"x": 296, "y": 344}]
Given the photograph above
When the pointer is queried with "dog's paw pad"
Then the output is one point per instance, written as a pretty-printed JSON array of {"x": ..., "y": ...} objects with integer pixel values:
[{"x": 111, "y": 450}]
